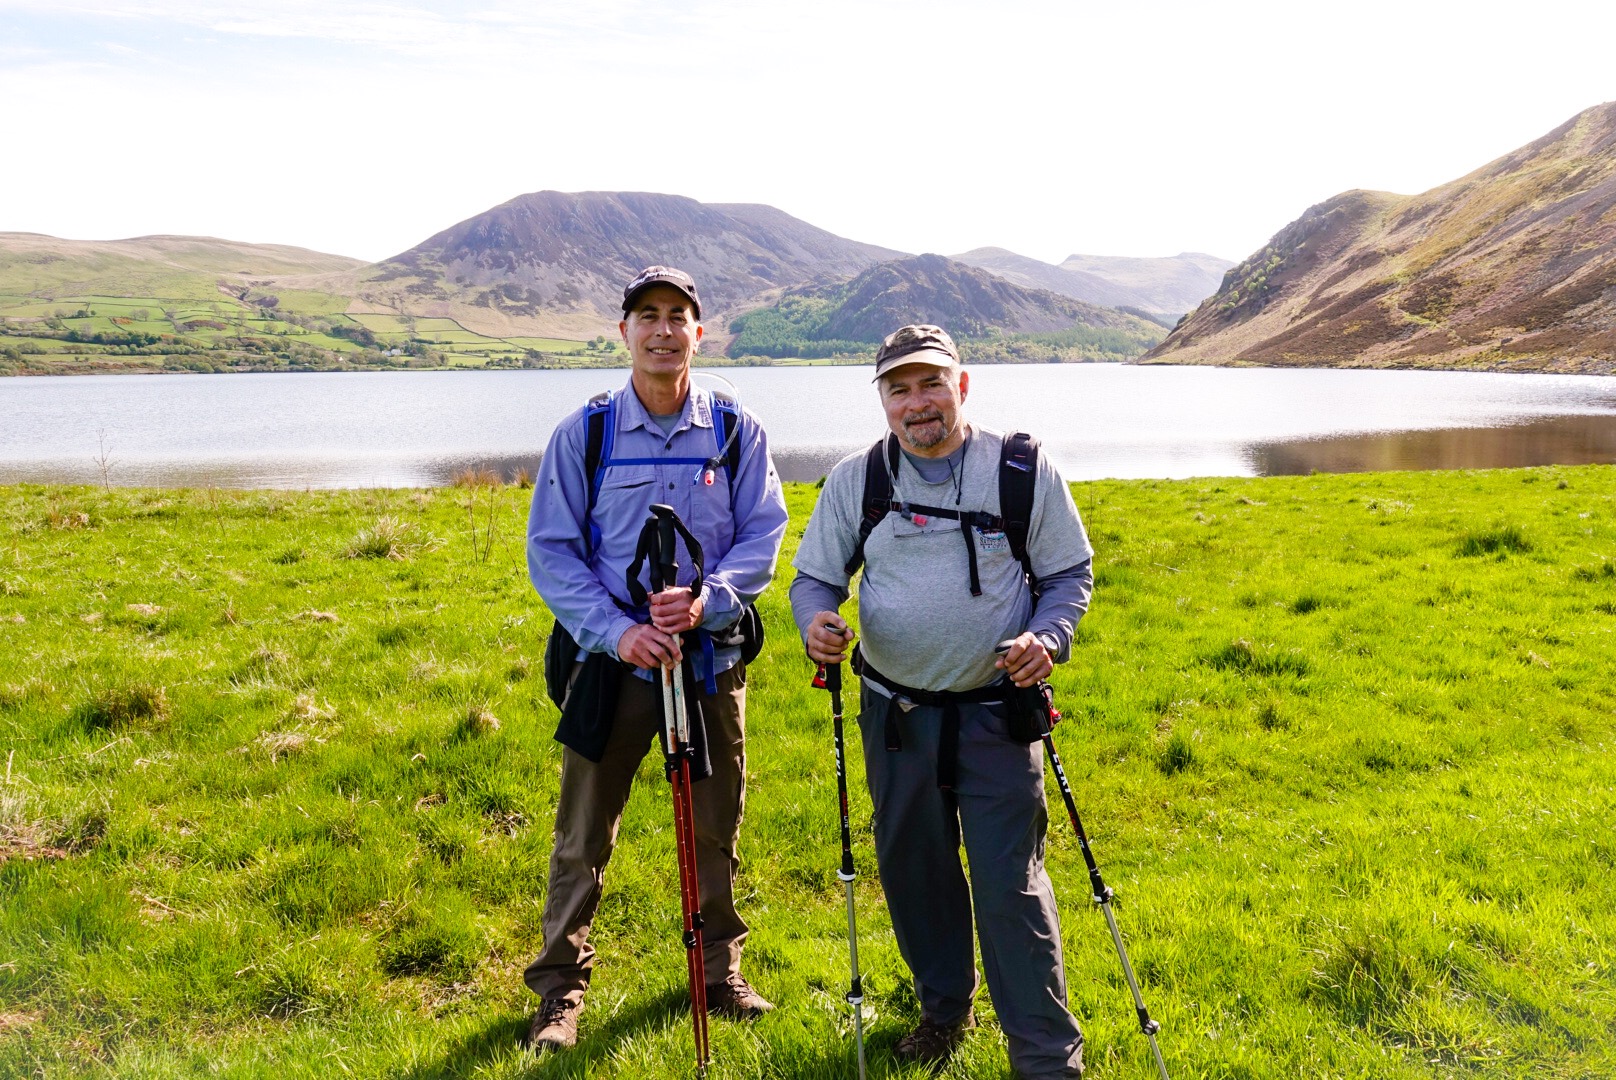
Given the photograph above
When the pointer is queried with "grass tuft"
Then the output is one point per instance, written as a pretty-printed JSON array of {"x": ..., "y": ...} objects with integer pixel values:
[
  {"x": 1499, "y": 540},
  {"x": 480, "y": 720},
  {"x": 128, "y": 705},
  {"x": 382, "y": 540},
  {"x": 1176, "y": 755},
  {"x": 279, "y": 744},
  {"x": 480, "y": 477},
  {"x": 1241, "y": 655}
]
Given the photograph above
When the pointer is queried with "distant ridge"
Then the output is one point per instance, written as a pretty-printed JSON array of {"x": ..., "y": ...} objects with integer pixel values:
[
  {"x": 553, "y": 255},
  {"x": 838, "y": 317},
  {"x": 1169, "y": 287},
  {"x": 1512, "y": 267},
  {"x": 33, "y": 262}
]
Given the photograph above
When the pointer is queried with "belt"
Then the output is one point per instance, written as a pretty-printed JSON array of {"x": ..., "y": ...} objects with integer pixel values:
[{"x": 948, "y": 700}]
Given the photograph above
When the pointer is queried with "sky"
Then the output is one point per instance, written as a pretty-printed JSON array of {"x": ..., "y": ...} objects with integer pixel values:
[{"x": 1146, "y": 129}]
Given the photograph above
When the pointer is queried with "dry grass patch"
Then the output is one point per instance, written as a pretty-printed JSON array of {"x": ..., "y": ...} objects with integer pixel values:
[
  {"x": 279, "y": 744},
  {"x": 382, "y": 540},
  {"x": 480, "y": 720}
]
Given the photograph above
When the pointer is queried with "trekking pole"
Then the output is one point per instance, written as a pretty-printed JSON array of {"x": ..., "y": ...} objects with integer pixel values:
[
  {"x": 1102, "y": 891},
  {"x": 830, "y": 678},
  {"x": 677, "y": 749}
]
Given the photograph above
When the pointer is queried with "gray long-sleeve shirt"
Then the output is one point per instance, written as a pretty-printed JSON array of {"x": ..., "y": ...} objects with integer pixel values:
[{"x": 921, "y": 625}]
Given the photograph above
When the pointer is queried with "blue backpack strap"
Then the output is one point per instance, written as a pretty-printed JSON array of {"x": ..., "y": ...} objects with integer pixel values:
[
  {"x": 727, "y": 415},
  {"x": 600, "y": 431}
]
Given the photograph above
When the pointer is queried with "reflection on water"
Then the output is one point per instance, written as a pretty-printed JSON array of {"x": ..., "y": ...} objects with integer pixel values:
[
  {"x": 326, "y": 430},
  {"x": 1560, "y": 440}
]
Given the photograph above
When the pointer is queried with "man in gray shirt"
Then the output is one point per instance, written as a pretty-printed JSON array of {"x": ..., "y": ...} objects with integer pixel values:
[{"x": 944, "y": 757}]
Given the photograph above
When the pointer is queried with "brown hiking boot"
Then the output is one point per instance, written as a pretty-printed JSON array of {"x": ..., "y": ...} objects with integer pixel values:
[
  {"x": 735, "y": 999},
  {"x": 932, "y": 1043},
  {"x": 554, "y": 1026}
]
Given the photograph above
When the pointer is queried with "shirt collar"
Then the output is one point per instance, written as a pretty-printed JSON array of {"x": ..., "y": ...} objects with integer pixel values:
[{"x": 697, "y": 412}]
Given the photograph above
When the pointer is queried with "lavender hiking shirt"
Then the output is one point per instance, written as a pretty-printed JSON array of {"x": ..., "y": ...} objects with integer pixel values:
[{"x": 740, "y": 547}]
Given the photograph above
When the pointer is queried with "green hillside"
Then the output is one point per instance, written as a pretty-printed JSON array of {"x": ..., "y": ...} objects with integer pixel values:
[
  {"x": 198, "y": 304},
  {"x": 994, "y": 320}
]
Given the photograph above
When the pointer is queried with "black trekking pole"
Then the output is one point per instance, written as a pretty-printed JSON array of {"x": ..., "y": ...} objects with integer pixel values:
[
  {"x": 660, "y": 530},
  {"x": 1102, "y": 891},
  {"x": 830, "y": 678}
]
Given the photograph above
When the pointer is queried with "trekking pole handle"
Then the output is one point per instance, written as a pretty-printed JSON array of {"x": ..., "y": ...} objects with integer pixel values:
[{"x": 663, "y": 564}]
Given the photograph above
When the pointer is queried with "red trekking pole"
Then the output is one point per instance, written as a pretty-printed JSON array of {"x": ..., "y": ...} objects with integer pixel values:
[{"x": 677, "y": 750}]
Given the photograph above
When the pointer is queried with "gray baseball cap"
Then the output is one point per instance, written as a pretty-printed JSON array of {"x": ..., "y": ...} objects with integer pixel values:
[
  {"x": 661, "y": 275},
  {"x": 918, "y": 344}
]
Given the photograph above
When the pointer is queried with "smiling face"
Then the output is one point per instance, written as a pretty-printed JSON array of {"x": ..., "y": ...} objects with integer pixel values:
[
  {"x": 922, "y": 403},
  {"x": 661, "y": 332}
]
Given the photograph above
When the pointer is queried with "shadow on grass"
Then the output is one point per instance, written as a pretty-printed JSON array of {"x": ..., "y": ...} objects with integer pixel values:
[{"x": 472, "y": 1052}]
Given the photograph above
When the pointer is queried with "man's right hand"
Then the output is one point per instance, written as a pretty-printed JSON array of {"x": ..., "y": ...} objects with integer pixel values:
[
  {"x": 828, "y": 638},
  {"x": 644, "y": 646}
]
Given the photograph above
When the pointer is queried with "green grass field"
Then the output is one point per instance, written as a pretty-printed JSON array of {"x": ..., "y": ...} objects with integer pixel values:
[{"x": 278, "y": 784}]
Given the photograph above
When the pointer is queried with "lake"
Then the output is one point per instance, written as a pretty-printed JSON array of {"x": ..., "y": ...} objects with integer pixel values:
[{"x": 1097, "y": 420}]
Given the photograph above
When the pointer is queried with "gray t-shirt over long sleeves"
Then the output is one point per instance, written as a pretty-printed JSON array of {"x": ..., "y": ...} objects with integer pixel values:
[{"x": 921, "y": 625}]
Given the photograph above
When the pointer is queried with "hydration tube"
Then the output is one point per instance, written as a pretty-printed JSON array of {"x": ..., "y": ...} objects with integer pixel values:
[{"x": 709, "y": 469}]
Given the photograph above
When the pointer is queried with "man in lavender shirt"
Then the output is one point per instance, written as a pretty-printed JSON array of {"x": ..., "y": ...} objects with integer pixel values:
[{"x": 578, "y": 561}]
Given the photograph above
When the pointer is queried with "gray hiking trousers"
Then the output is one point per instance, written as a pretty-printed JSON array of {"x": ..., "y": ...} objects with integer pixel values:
[{"x": 998, "y": 810}]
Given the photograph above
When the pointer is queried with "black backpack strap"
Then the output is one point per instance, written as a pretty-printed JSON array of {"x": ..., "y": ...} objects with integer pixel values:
[
  {"x": 879, "y": 471},
  {"x": 1018, "y": 482}
]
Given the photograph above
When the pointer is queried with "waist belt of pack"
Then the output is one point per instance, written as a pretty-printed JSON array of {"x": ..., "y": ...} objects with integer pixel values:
[{"x": 948, "y": 700}]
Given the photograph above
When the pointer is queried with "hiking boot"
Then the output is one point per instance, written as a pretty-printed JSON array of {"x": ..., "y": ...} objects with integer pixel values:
[
  {"x": 932, "y": 1043},
  {"x": 735, "y": 999},
  {"x": 554, "y": 1026}
]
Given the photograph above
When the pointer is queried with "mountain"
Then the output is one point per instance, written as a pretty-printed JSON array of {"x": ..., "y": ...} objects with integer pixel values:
[
  {"x": 1168, "y": 286},
  {"x": 1157, "y": 287},
  {"x": 1036, "y": 274},
  {"x": 1512, "y": 267},
  {"x": 555, "y": 262},
  {"x": 170, "y": 266},
  {"x": 852, "y": 316}
]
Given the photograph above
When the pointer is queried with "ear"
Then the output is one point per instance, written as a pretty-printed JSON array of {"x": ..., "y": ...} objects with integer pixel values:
[
  {"x": 965, "y": 384},
  {"x": 622, "y": 330},
  {"x": 698, "y": 331}
]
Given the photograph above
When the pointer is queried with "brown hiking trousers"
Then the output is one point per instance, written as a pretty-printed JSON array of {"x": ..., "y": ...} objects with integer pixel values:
[{"x": 590, "y": 808}]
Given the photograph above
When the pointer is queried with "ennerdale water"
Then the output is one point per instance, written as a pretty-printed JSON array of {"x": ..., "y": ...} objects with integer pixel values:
[{"x": 1098, "y": 420}]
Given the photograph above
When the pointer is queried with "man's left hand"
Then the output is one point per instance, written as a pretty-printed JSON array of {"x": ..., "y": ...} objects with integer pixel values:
[
  {"x": 676, "y": 610},
  {"x": 1027, "y": 661}
]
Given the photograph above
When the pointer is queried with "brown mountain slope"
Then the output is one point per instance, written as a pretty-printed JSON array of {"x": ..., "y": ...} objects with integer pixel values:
[
  {"x": 555, "y": 262},
  {"x": 1512, "y": 267}
]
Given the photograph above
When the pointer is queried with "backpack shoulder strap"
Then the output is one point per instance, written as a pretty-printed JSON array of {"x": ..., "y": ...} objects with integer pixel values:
[
  {"x": 727, "y": 416},
  {"x": 1018, "y": 483},
  {"x": 880, "y": 467},
  {"x": 600, "y": 428}
]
